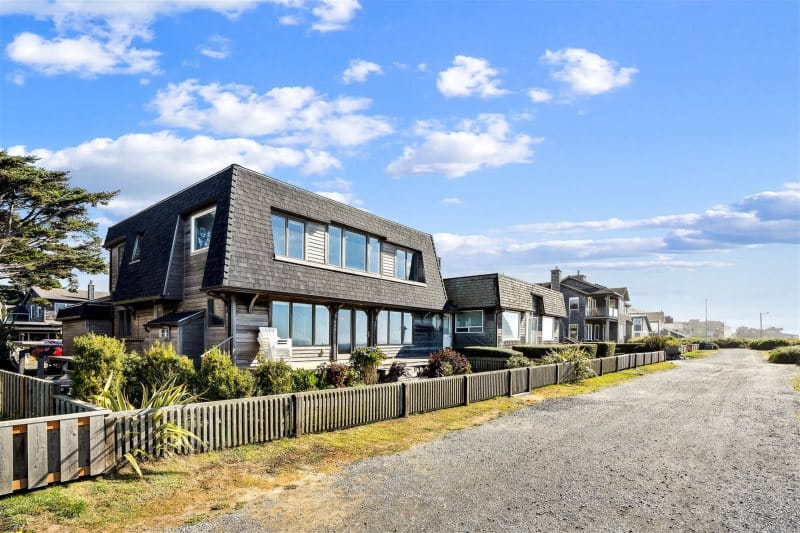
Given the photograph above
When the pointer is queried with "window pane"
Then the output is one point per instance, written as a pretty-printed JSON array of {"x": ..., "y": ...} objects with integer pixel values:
[
  {"x": 280, "y": 318},
  {"x": 395, "y": 327},
  {"x": 334, "y": 246},
  {"x": 469, "y": 322},
  {"x": 400, "y": 264},
  {"x": 383, "y": 327},
  {"x": 355, "y": 250},
  {"x": 412, "y": 266},
  {"x": 202, "y": 231},
  {"x": 322, "y": 326},
  {"x": 137, "y": 248},
  {"x": 361, "y": 328},
  {"x": 343, "y": 330},
  {"x": 408, "y": 328},
  {"x": 279, "y": 234},
  {"x": 296, "y": 242},
  {"x": 301, "y": 324},
  {"x": 510, "y": 325},
  {"x": 374, "y": 255}
]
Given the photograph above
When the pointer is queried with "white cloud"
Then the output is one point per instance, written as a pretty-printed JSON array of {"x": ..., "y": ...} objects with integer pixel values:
[
  {"x": 17, "y": 77},
  {"x": 217, "y": 47},
  {"x": 348, "y": 198},
  {"x": 540, "y": 95},
  {"x": 334, "y": 15},
  {"x": 469, "y": 76},
  {"x": 485, "y": 142},
  {"x": 610, "y": 224},
  {"x": 149, "y": 166},
  {"x": 450, "y": 200},
  {"x": 587, "y": 73},
  {"x": 294, "y": 114},
  {"x": 289, "y": 20},
  {"x": 422, "y": 67},
  {"x": 359, "y": 70}
]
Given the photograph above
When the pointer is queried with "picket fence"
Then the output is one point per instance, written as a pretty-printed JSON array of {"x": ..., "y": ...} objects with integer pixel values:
[{"x": 83, "y": 440}]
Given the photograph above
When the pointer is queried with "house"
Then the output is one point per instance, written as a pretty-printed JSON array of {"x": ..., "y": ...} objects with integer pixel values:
[
  {"x": 498, "y": 310},
  {"x": 35, "y": 316},
  {"x": 93, "y": 316},
  {"x": 595, "y": 312},
  {"x": 211, "y": 264},
  {"x": 642, "y": 327}
]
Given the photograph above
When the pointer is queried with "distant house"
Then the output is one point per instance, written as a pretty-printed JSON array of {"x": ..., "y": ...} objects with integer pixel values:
[
  {"x": 93, "y": 316},
  {"x": 237, "y": 251},
  {"x": 642, "y": 327},
  {"x": 594, "y": 312},
  {"x": 498, "y": 310}
]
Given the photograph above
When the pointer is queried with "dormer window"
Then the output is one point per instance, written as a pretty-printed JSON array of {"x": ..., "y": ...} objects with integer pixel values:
[
  {"x": 202, "y": 225},
  {"x": 136, "y": 254}
]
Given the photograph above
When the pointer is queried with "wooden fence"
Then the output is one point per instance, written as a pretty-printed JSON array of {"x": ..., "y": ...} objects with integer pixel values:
[
  {"x": 64, "y": 405},
  {"x": 24, "y": 396}
]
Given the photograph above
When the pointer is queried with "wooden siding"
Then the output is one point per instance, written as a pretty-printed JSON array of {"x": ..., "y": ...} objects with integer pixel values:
[
  {"x": 388, "y": 259},
  {"x": 74, "y": 328},
  {"x": 315, "y": 242},
  {"x": 487, "y": 338},
  {"x": 246, "y": 335},
  {"x": 174, "y": 286},
  {"x": 23, "y": 396}
]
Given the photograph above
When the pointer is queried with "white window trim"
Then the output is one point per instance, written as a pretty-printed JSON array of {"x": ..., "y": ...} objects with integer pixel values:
[
  {"x": 519, "y": 325},
  {"x": 137, "y": 247},
  {"x": 577, "y": 303},
  {"x": 455, "y": 321},
  {"x": 587, "y": 332},
  {"x": 569, "y": 330},
  {"x": 191, "y": 225}
]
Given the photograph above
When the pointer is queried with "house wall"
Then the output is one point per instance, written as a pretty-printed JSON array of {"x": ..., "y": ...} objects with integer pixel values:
[
  {"x": 574, "y": 317},
  {"x": 489, "y": 336},
  {"x": 523, "y": 330},
  {"x": 75, "y": 328}
]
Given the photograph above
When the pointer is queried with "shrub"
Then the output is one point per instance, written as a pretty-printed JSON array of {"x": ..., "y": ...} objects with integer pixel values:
[
  {"x": 490, "y": 351},
  {"x": 366, "y": 360},
  {"x": 447, "y": 362},
  {"x": 785, "y": 355},
  {"x": 396, "y": 371},
  {"x": 273, "y": 377},
  {"x": 519, "y": 361},
  {"x": 605, "y": 349},
  {"x": 219, "y": 379},
  {"x": 338, "y": 375},
  {"x": 574, "y": 354},
  {"x": 538, "y": 351},
  {"x": 653, "y": 343},
  {"x": 628, "y": 347},
  {"x": 96, "y": 358},
  {"x": 157, "y": 365},
  {"x": 769, "y": 344},
  {"x": 733, "y": 343},
  {"x": 303, "y": 380},
  {"x": 709, "y": 346}
]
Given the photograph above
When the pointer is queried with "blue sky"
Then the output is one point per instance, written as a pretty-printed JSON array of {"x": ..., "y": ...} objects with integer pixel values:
[{"x": 654, "y": 145}]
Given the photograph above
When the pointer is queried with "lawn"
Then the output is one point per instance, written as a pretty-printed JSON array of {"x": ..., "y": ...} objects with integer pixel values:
[
  {"x": 187, "y": 489},
  {"x": 699, "y": 354}
]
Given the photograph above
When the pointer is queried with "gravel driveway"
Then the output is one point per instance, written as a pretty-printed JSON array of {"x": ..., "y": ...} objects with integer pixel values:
[{"x": 711, "y": 446}]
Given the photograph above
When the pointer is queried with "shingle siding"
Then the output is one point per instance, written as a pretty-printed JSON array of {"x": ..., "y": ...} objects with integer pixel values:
[{"x": 473, "y": 292}]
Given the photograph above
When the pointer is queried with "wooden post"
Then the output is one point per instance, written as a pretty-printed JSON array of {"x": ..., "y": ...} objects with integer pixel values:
[
  {"x": 466, "y": 389},
  {"x": 558, "y": 373},
  {"x": 298, "y": 415},
  {"x": 530, "y": 378},
  {"x": 406, "y": 399},
  {"x": 510, "y": 383}
]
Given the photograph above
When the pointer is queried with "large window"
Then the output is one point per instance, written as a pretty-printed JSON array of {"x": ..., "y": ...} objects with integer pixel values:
[
  {"x": 405, "y": 263},
  {"x": 469, "y": 322},
  {"x": 214, "y": 320},
  {"x": 288, "y": 237},
  {"x": 637, "y": 325},
  {"x": 374, "y": 255},
  {"x": 355, "y": 250},
  {"x": 136, "y": 254},
  {"x": 309, "y": 324},
  {"x": 573, "y": 303},
  {"x": 334, "y": 246},
  {"x": 344, "y": 330},
  {"x": 395, "y": 327},
  {"x": 510, "y": 325},
  {"x": 202, "y": 223}
]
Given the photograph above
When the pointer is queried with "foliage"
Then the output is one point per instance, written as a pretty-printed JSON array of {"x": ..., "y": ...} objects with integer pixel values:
[
  {"x": 447, "y": 362},
  {"x": 96, "y": 358},
  {"x": 628, "y": 347},
  {"x": 273, "y": 377},
  {"x": 769, "y": 344},
  {"x": 167, "y": 437},
  {"x": 16, "y": 509},
  {"x": 157, "y": 365},
  {"x": 519, "y": 361},
  {"x": 366, "y": 361},
  {"x": 575, "y": 354},
  {"x": 605, "y": 349},
  {"x": 733, "y": 342},
  {"x": 785, "y": 355},
  {"x": 489, "y": 351},
  {"x": 219, "y": 379},
  {"x": 338, "y": 375},
  {"x": 396, "y": 371},
  {"x": 538, "y": 351},
  {"x": 303, "y": 380},
  {"x": 653, "y": 343}
]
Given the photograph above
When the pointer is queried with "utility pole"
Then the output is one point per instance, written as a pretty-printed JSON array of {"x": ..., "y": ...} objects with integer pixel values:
[
  {"x": 706, "y": 318},
  {"x": 761, "y": 324}
]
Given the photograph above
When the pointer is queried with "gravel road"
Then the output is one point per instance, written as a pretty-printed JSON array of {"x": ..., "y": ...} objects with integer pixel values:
[{"x": 711, "y": 446}]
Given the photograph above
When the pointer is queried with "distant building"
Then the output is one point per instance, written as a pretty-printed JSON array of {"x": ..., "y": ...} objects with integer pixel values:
[
  {"x": 712, "y": 329},
  {"x": 768, "y": 333}
]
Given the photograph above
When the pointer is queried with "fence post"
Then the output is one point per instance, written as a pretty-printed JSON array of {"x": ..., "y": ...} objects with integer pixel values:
[
  {"x": 298, "y": 415},
  {"x": 466, "y": 389},
  {"x": 530, "y": 378},
  {"x": 558, "y": 373},
  {"x": 406, "y": 399},
  {"x": 510, "y": 383}
]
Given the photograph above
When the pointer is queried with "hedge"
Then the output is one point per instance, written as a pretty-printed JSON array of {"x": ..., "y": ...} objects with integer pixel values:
[
  {"x": 629, "y": 347},
  {"x": 604, "y": 349},
  {"x": 769, "y": 344},
  {"x": 785, "y": 355},
  {"x": 489, "y": 351},
  {"x": 537, "y": 351}
]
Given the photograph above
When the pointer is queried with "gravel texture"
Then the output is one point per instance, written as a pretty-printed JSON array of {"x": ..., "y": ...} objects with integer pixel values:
[{"x": 711, "y": 446}]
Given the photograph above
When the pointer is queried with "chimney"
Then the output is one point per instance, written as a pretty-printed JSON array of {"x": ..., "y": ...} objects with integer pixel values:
[
  {"x": 90, "y": 290},
  {"x": 555, "y": 279}
]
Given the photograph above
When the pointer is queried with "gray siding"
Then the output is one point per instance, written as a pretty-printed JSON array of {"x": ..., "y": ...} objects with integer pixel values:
[
  {"x": 473, "y": 292},
  {"x": 487, "y": 338}
]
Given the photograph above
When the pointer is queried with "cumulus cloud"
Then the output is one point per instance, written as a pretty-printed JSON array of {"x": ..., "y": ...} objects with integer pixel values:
[
  {"x": 540, "y": 95},
  {"x": 333, "y": 15},
  {"x": 485, "y": 142},
  {"x": 451, "y": 200},
  {"x": 217, "y": 47},
  {"x": 339, "y": 189},
  {"x": 586, "y": 73},
  {"x": 469, "y": 76},
  {"x": 359, "y": 70},
  {"x": 293, "y": 114}
]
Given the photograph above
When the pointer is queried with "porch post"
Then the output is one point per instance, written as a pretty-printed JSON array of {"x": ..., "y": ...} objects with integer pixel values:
[{"x": 334, "y": 332}]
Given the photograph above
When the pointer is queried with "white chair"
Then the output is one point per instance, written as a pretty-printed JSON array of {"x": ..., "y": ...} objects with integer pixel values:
[{"x": 272, "y": 347}]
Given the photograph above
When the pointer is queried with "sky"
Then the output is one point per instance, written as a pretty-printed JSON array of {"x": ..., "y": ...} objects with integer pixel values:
[{"x": 652, "y": 145}]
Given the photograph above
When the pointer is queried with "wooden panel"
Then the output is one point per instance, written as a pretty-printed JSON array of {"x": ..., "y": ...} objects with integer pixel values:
[
  {"x": 68, "y": 437},
  {"x": 37, "y": 455},
  {"x": 388, "y": 259},
  {"x": 6, "y": 460},
  {"x": 97, "y": 443},
  {"x": 315, "y": 242}
]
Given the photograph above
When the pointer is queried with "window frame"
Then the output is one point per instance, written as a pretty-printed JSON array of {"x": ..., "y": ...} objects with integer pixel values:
[
  {"x": 329, "y": 245},
  {"x": 290, "y": 325},
  {"x": 213, "y": 320},
  {"x": 192, "y": 219},
  {"x": 374, "y": 241},
  {"x": 519, "y": 324},
  {"x": 577, "y": 303},
  {"x": 286, "y": 220},
  {"x": 468, "y": 329},
  {"x": 366, "y": 236},
  {"x": 587, "y": 332},
  {"x": 406, "y": 328},
  {"x": 136, "y": 253},
  {"x": 572, "y": 326}
]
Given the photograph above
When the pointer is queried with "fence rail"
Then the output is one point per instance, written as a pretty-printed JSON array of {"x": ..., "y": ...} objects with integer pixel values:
[{"x": 24, "y": 396}]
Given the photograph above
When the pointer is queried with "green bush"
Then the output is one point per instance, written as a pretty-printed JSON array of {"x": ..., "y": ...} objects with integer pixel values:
[
  {"x": 396, "y": 371},
  {"x": 157, "y": 365},
  {"x": 733, "y": 343},
  {"x": 604, "y": 349},
  {"x": 96, "y": 357},
  {"x": 653, "y": 343},
  {"x": 573, "y": 354},
  {"x": 365, "y": 361},
  {"x": 273, "y": 377},
  {"x": 769, "y": 344},
  {"x": 337, "y": 375},
  {"x": 490, "y": 351},
  {"x": 519, "y": 361},
  {"x": 709, "y": 346},
  {"x": 303, "y": 380},
  {"x": 786, "y": 355},
  {"x": 629, "y": 347},
  {"x": 538, "y": 351},
  {"x": 447, "y": 362},
  {"x": 219, "y": 379}
]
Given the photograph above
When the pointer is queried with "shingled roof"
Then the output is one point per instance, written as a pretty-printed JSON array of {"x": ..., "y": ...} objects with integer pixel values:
[{"x": 499, "y": 290}]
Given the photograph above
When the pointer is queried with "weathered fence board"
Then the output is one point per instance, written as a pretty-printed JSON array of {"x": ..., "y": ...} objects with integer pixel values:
[
  {"x": 25, "y": 396},
  {"x": 608, "y": 364}
]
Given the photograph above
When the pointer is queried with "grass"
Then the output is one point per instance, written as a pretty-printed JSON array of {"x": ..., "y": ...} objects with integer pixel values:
[
  {"x": 796, "y": 383},
  {"x": 699, "y": 354},
  {"x": 188, "y": 489}
]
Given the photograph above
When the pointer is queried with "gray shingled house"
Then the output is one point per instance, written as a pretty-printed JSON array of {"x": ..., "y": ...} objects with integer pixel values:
[
  {"x": 238, "y": 250},
  {"x": 498, "y": 310}
]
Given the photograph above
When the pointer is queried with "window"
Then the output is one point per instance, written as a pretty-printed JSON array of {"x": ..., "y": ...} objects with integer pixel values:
[
  {"x": 395, "y": 327},
  {"x": 343, "y": 330},
  {"x": 164, "y": 333},
  {"x": 573, "y": 303},
  {"x": 334, "y": 246},
  {"x": 374, "y": 254},
  {"x": 137, "y": 248},
  {"x": 120, "y": 252},
  {"x": 280, "y": 318},
  {"x": 405, "y": 263},
  {"x": 637, "y": 325},
  {"x": 510, "y": 325},
  {"x": 469, "y": 322},
  {"x": 355, "y": 250},
  {"x": 360, "y": 328},
  {"x": 587, "y": 333},
  {"x": 322, "y": 326},
  {"x": 123, "y": 323},
  {"x": 309, "y": 324},
  {"x": 202, "y": 224},
  {"x": 573, "y": 331},
  {"x": 214, "y": 320},
  {"x": 288, "y": 237}
]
